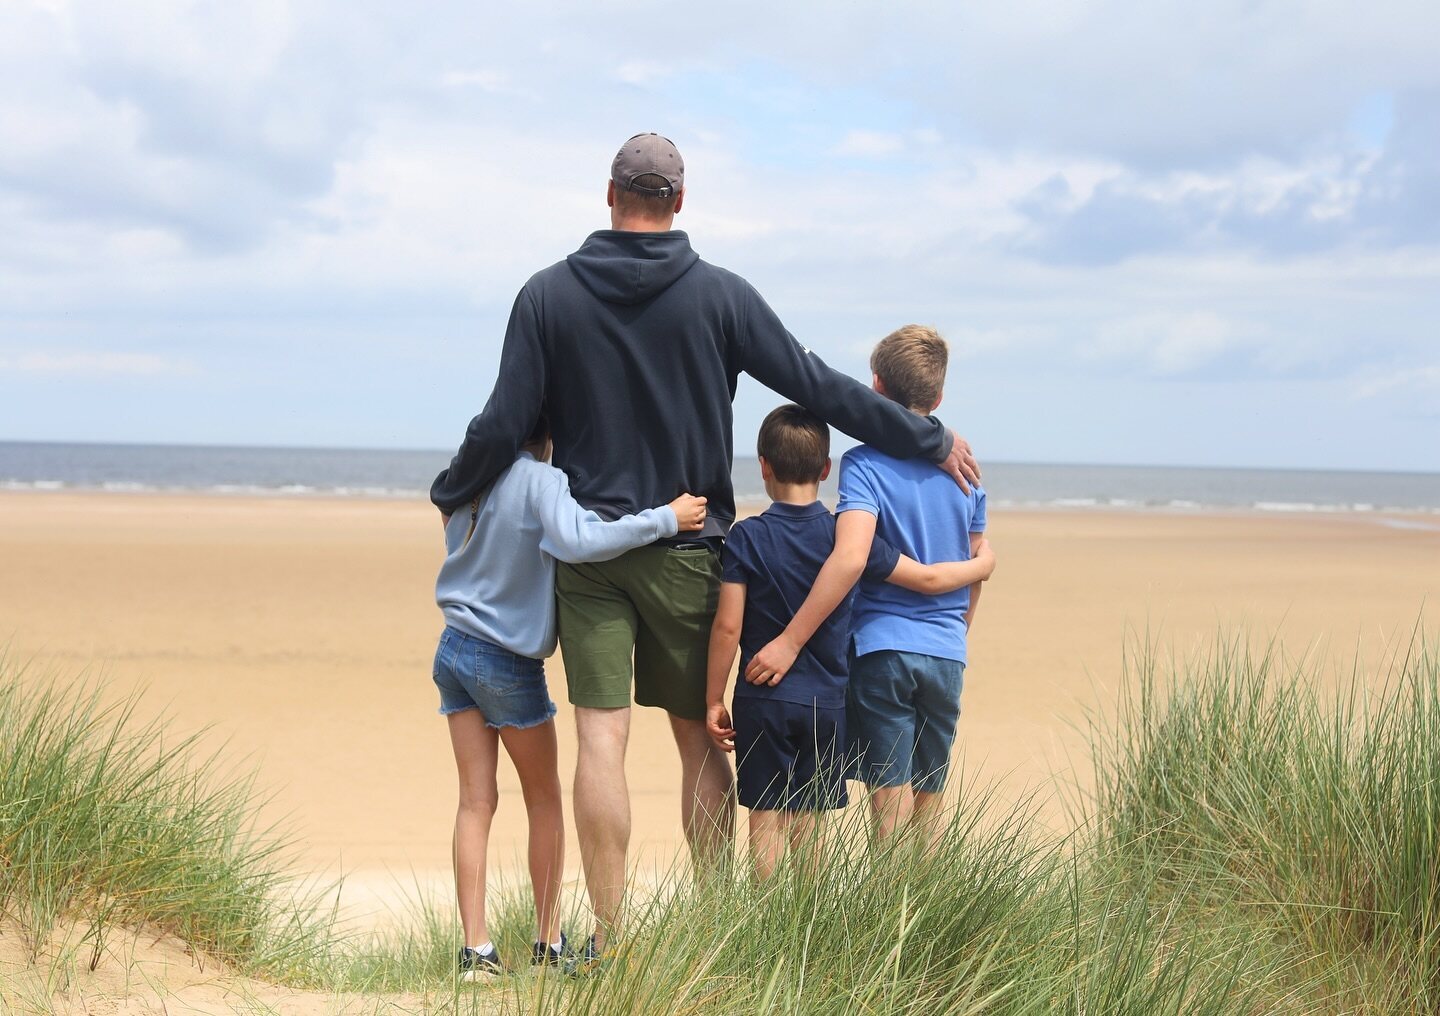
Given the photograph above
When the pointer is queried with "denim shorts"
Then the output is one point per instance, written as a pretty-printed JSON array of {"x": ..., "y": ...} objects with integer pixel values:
[
  {"x": 788, "y": 757},
  {"x": 902, "y": 712},
  {"x": 472, "y": 673}
]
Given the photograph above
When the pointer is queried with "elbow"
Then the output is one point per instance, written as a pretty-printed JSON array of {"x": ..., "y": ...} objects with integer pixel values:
[
  {"x": 724, "y": 633},
  {"x": 931, "y": 585},
  {"x": 850, "y": 567}
]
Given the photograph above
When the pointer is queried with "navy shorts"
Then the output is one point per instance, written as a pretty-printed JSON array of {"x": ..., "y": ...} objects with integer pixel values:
[
  {"x": 789, "y": 757},
  {"x": 903, "y": 708},
  {"x": 472, "y": 673}
]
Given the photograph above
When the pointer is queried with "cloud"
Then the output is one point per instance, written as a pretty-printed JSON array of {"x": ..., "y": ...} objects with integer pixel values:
[
  {"x": 1167, "y": 344},
  {"x": 1422, "y": 379},
  {"x": 93, "y": 363},
  {"x": 1214, "y": 196},
  {"x": 1278, "y": 209}
]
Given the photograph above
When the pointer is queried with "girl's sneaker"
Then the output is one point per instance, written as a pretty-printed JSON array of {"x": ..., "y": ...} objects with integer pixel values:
[
  {"x": 478, "y": 966},
  {"x": 546, "y": 955}
]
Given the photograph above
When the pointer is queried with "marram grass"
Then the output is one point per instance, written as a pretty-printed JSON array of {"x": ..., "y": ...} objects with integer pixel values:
[
  {"x": 1258, "y": 843},
  {"x": 1295, "y": 802},
  {"x": 107, "y": 819}
]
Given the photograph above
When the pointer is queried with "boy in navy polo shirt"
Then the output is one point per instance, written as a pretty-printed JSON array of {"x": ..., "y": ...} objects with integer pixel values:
[
  {"x": 909, "y": 651},
  {"x": 788, "y": 730}
]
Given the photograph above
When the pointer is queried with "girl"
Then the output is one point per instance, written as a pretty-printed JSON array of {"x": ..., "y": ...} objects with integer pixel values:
[{"x": 496, "y": 590}]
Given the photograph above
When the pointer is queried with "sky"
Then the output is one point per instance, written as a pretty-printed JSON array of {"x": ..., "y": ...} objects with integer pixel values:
[{"x": 1153, "y": 232}]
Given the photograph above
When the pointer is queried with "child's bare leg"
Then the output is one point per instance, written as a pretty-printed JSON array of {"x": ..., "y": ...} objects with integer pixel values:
[
  {"x": 532, "y": 749},
  {"x": 807, "y": 840},
  {"x": 476, "y": 748},
  {"x": 929, "y": 818},
  {"x": 891, "y": 808},
  {"x": 768, "y": 833}
]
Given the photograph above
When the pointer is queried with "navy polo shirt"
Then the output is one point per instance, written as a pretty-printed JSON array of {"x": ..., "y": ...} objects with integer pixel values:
[{"x": 777, "y": 555}]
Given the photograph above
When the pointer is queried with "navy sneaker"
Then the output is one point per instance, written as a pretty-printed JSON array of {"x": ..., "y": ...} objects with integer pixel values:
[
  {"x": 477, "y": 966},
  {"x": 589, "y": 960},
  {"x": 543, "y": 954}
]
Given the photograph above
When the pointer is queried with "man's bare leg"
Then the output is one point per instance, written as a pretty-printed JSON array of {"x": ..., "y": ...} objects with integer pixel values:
[
  {"x": 707, "y": 798},
  {"x": 602, "y": 811}
]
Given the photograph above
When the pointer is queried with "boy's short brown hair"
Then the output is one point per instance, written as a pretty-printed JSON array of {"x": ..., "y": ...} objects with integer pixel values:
[
  {"x": 910, "y": 362},
  {"x": 795, "y": 442}
]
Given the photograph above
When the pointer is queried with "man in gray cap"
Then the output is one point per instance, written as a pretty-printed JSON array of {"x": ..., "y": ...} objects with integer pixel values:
[{"x": 633, "y": 345}]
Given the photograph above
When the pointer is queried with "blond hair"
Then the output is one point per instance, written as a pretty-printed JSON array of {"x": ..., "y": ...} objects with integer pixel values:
[{"x": 910, "y": 362}]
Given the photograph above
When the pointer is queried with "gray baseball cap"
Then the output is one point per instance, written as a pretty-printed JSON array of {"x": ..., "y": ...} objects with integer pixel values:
[{"x": 649, "y": 153}]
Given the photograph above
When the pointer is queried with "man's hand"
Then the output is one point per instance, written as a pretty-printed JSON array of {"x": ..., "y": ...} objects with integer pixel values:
[
  {"x": 772, "y": 663},
  {"x": 689, "y": 512},
  {"x": 718, "y": 723},
  {"x": 961, "y": 464}
]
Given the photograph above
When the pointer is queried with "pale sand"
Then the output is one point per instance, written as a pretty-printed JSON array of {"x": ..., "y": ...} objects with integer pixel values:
[{"x": 302, "y": 631}]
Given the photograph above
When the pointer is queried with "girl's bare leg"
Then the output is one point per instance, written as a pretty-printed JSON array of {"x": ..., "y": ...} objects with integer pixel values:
[
  {"x": 768, "y": 833},
  {"x": 532, "y": 749},
  {"x": 476, "y": 748}
]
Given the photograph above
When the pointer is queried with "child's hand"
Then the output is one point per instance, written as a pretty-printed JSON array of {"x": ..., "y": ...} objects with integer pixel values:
[
  {"x": 772, "y": 663},
  {"x": 689, "y": 512},
  {"x": 718, "y": 723},
  {"x": 981, "y": 552}
]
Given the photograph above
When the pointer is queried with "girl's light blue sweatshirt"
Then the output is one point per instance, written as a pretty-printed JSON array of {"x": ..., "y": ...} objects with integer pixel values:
[{"x": 498, "y": 581}]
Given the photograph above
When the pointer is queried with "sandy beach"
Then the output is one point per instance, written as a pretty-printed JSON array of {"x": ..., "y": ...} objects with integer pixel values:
[{"x": 300, "y": 631}]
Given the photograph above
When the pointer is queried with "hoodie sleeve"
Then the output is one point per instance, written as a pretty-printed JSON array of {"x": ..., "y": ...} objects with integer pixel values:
[
  {"x": 772, "y": 356},
  {"x": 574, "y": 534},
  {"x": 494, "y": 437}
]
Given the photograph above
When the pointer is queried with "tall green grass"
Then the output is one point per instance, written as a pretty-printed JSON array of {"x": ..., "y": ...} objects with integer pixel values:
[
  {"x": 996, "y": 920},
  {"x": 1257, "y": 843},
  {"x": 107, "y": 820},
  {"x": 1298, "y": 804}
]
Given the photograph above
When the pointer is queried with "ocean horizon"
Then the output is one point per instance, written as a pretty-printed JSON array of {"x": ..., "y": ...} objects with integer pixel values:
[{"x": 406, "y": 473}]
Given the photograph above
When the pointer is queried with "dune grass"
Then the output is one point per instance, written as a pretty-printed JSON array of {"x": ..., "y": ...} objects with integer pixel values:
[
  {"x": 1298, "y": 804},
  {"x": 1262, "y": 839},
  {"x": 113, "y": 822}
]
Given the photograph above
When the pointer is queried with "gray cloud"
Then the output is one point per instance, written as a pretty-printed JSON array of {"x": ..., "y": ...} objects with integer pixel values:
[{"x": 1347, "y": 200}]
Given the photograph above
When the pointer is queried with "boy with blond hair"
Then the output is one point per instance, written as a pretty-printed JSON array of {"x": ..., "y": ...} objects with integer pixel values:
[{"x": 908, "y": 650}]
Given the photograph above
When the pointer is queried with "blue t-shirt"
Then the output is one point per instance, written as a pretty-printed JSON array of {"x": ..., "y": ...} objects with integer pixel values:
[
  {"x": 922, "y": 513},
  {"x": 777, "y": 555}
]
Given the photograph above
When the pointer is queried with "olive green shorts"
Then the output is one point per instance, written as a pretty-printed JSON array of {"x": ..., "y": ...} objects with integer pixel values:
[{"x": 646, "y": 615}]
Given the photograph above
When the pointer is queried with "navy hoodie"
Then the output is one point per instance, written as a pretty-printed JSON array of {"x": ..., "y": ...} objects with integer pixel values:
[{"x": 633, "y": 346}]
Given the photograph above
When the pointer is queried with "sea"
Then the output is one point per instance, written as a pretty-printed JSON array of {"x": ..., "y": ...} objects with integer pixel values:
[{"x": 400, "y": 474}]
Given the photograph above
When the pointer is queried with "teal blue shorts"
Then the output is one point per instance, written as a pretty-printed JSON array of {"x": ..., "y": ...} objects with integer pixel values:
[{"x": 902, "y": 709}]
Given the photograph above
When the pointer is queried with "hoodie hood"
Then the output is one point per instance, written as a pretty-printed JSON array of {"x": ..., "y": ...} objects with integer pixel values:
[{"x": 630, "y": 268}]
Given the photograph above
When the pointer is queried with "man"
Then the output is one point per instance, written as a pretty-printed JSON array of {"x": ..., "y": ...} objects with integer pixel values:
[{"x": 634, "y": 345}]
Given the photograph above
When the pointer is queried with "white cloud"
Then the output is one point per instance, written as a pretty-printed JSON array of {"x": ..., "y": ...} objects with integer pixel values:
[
  {"x": 1419, "y": 379},
  {"x": 1166, "y": 343},
  {"x": 871, "y": 144},
  {"x": 642, "y": 72},
  {"x": 137, "y": 364}
]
